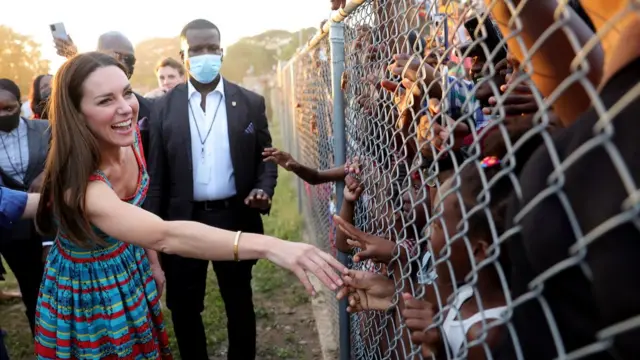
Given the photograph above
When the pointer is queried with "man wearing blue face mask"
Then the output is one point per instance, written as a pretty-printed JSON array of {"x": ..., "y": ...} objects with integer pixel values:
[{"x": 205, "y": 157}]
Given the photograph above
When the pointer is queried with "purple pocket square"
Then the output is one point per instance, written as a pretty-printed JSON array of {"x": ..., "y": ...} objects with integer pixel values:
[
  {"x": 249, "y": 129},
  {"x": 143, "y": 123}
]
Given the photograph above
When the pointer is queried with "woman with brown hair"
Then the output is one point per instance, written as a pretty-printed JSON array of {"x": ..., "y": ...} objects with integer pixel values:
[
  {"x": 39, "y": 95},
  {"x": 99, "y": 298}
]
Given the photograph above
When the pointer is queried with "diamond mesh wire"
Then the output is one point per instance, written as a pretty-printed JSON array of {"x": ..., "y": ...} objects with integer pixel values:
[
  {"x": 445, "y": 103},
  {"x": 306, "y": 92}
]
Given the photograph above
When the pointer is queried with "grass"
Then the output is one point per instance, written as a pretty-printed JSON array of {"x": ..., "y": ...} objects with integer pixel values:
[{"x": 286, "y": 327}]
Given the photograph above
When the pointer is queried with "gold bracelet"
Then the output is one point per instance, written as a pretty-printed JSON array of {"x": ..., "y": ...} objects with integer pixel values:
[{"x": 235, "y": 246}]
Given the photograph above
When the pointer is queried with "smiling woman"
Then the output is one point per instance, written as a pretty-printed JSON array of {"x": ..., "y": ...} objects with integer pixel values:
[{"x": 95, "y": 182}]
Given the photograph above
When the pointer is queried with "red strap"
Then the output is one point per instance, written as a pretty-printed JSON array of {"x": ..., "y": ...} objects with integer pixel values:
[{"x": 96, "y": 177}]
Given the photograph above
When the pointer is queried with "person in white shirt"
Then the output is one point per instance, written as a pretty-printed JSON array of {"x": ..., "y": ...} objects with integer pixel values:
[{"x": 206, "y": 164}]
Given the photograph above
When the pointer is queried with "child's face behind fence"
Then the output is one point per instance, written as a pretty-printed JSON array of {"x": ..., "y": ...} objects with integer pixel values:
[{"x": 109, "y": 106}]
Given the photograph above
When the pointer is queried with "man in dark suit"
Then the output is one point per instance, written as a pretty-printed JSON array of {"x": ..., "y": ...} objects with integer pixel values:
[
  {"x": 206, "y": 165},
  {"x": 23, "y": 152}
]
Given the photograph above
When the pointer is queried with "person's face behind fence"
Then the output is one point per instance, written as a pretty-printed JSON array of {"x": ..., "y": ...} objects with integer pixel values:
[{"x": 93, "y": 103}]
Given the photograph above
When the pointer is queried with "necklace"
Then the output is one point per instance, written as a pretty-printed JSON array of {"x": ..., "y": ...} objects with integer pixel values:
[{"x": 195, "y": 120}]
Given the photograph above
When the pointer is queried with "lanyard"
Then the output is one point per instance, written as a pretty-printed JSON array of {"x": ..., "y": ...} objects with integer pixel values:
[
  {"x": 19, "y": 168},
  {"x": 195, "y": 120}
]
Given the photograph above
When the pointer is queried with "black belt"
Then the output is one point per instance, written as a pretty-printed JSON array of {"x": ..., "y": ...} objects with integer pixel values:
[{"x": 212, "y": 205}]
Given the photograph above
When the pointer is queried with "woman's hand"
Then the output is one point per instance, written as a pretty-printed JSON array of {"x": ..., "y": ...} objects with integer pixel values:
[
  {"x": 366, "y": 291},
  {"x": 418, "y": 315},
  {"x": 284, "y": 159},
  {"x": 373, "y": 247},
  {"x": 158, "y": 276},
  {"x": 301, "y": 258}
]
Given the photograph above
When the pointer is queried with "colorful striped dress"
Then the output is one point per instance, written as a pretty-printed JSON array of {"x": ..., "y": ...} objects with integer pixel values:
[{"x": 101, "y": 303}]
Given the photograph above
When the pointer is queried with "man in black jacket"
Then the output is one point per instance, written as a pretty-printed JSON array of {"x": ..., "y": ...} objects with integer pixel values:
[
  {"x": 23, "y": 151},
  {"x": 205, "y": 164}
]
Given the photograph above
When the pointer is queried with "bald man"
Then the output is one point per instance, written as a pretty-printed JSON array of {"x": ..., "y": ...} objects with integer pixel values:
[
  {"x": 120, "y": 47},
  {"x": 117, "y": 45},
  {"x": 113, "y": 43}
]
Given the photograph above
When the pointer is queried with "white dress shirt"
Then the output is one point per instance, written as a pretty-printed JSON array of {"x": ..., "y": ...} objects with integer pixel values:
[
  {"x": 25, "y": 110},
  {"x": 14, "y": 152},
  {"x": 213, "y": 177}
]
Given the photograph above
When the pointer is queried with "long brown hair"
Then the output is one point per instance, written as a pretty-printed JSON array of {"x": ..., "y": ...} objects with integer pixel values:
[{"x": 74, "y": 154}]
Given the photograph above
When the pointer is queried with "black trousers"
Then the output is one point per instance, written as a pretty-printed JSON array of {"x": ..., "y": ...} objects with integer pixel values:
[
  {"x": 186, "y": 285},
  {"x": 21, "y": 248},
  {"x": 4, "y": 354}
]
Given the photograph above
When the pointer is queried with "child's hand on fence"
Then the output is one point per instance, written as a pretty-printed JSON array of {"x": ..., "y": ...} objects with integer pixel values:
[
  {"x": 353, "y": 167},
  {"x": 363, "y": 38},
  {"x": 372, "y": 247},
  {"x": 407, "y": 103},
  {"x": 367, "y": 96},
  {"x": 414, "y": 205},
  {"x": 352, "y": 188},
  {"x": 432, "y": 132},
  {"x": 484, "y": 90},
  {"x": 375, "y": 53},
  {"x": 366, "y": 291},
  {"x": 418, "y": 315},
  {"x": 281, "y": 158},
  {"x": 519, "y": 101},
  {"x": 406, "y": 66}
]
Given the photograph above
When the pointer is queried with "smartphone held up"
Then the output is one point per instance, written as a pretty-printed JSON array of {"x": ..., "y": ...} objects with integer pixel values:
[{"x": 58, "y": 31}]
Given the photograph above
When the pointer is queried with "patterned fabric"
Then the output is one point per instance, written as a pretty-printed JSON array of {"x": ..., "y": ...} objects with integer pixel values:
[
  {"x": 101, "y": 303},
  {"x": 461, "y": 101}
]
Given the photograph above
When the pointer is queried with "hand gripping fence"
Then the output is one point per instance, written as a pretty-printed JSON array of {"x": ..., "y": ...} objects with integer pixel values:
[{"x": 453, "y": 109}]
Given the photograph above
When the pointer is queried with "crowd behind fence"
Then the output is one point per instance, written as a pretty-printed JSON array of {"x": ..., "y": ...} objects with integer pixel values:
[{"x": 490, "y": 182}]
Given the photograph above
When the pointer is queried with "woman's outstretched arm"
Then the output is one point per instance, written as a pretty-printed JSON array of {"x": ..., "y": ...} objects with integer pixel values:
[{"x": 131, "y": 224}]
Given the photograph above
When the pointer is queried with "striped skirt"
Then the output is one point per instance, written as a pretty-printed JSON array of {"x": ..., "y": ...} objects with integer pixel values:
[{"x": 99, "y": 304}]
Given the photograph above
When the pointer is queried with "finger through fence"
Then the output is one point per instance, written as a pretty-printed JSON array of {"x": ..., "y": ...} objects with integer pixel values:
[{"x": 491, "y": 200}]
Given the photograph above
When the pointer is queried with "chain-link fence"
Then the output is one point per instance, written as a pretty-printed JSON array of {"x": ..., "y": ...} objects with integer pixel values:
[
  {"x": 489, "y": 203},
  {"x": 307, "y": 128}
]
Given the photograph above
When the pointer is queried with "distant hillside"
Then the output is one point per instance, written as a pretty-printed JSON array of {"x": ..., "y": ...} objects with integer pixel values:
[
  {"x": 258, "y": 55},
  {"x": 251, "y": 56}
]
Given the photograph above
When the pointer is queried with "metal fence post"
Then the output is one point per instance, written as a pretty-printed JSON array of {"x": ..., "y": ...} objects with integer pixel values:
[
  {"x": 336, "y": 37},
  {"x": 281, "y": 105},
  {"x": 295, "y": 151}
]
